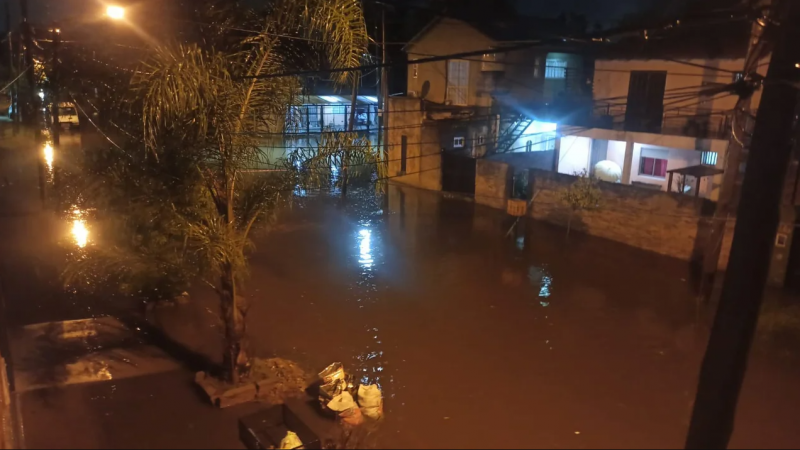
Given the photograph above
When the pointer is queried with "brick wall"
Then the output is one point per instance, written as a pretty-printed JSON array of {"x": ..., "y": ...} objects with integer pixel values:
[{"x": 665, "y": 223}]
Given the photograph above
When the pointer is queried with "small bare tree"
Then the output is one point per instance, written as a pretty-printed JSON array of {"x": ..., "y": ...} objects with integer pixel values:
[{"x": 582, "y": 195}]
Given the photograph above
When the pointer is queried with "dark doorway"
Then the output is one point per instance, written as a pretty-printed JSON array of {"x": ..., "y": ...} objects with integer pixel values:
[
  {"x": 645, "y": 108},
  {"x": 458, "y": 173}
]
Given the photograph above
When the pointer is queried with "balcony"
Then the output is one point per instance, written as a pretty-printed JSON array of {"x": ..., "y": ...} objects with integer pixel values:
[{"x": 676, "y": 121}]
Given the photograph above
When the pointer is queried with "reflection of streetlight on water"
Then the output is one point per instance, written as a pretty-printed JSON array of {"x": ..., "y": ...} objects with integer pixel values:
[
  {"x": 79, "y": 231},
  {"x": 49, "y": 156}
]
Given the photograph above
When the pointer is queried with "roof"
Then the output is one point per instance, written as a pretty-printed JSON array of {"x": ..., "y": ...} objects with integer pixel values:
[
  {"x": 500, "y": 30},
  {"x": 724, "y": 40},
  {"x": 698, "y": 171}
]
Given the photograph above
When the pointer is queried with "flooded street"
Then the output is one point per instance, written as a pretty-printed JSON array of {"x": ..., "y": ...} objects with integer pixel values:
[
  {"x": 477, "y": 342},
  {"x": 477, "y": 339}
]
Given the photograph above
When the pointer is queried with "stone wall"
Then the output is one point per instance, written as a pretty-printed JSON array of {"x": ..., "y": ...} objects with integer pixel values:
[
  {"x": 492, "y": 183},
  {"x": 669, "y": 224}
]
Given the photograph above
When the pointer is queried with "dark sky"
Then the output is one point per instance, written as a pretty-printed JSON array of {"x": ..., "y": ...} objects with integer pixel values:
[{"x": 596, "y": 10}]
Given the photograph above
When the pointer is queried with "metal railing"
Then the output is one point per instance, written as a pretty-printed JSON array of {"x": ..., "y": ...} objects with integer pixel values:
[{"x": 676, "y": 121}]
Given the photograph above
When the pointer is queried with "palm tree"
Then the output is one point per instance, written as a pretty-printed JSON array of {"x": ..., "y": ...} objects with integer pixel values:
[{"x": 217, "y": 102}]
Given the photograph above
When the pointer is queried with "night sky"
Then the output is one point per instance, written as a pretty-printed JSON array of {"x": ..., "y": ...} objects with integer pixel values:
[{"x": 595, "y": 10}]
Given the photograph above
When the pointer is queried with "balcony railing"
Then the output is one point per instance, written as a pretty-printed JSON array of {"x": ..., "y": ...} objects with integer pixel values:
[{"x": 676, "y": 121}]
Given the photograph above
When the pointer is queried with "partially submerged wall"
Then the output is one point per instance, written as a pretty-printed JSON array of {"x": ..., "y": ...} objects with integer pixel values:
[{"x": 669, "y": 224}]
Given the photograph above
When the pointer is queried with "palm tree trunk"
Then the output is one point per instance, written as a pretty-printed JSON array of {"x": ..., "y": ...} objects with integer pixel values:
[{"x": 235, "y": 356}]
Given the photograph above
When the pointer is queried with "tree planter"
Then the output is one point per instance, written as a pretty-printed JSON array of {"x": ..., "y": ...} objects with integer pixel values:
[{"x": 270, "y": 381}]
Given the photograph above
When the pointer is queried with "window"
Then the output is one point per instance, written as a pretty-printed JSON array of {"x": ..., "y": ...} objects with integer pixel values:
[
  {"x": 708, "y": 158},
  {"x": 555, "y": 69},
  {"x": 653, "y": 167},
  {"x": 458, "y": 142},
  {"x": 481, "y": 140},
  {"x": 457, "y": 82},
  {"x": 415, "y": 71}
]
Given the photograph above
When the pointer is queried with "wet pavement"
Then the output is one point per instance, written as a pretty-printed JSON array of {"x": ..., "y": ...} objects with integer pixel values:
[{"x": 477, "y": 340}]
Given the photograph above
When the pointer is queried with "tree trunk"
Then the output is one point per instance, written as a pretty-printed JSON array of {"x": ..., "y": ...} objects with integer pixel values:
[{"x": 235, "y": 357}]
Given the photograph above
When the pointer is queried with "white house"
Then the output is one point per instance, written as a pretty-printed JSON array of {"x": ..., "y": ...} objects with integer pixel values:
[{"x": 656, "y": 112}]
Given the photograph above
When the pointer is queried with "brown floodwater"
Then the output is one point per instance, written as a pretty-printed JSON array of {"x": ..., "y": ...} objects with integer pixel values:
[
  {"x": 477, "y": 339},
  {"x": 483, "y": 340}
]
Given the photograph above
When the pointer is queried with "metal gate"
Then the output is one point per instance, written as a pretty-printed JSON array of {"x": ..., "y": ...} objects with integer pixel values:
[{"x": 458, "y": 173}]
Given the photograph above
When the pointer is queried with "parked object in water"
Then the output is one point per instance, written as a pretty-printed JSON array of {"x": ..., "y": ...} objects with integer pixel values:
[{"x": 68, "y": 115}]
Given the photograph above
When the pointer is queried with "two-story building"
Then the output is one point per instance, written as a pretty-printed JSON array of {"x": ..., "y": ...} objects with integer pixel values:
[
  {"x": 494, "y": 105},
  {"x": 662, "y": 116}
]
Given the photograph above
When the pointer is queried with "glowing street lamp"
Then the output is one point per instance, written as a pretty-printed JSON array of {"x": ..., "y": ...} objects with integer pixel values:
[{"x": 115, "y": 12}]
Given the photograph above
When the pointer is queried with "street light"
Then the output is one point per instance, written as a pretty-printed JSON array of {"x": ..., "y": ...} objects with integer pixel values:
[{"x": 115, "y": 12}]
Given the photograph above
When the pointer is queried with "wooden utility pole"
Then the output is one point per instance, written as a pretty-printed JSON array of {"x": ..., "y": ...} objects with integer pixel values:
[
  {"x": 55, "y": 81},
  {"x": 381, "y": 93},
  {"x": 34, "y": 116},
  {"x": 11, "y": 69},
  {"x": 350, "y": 127},
  {"x": 726, "y": 204},
  {"x": 725, "y": 362}
]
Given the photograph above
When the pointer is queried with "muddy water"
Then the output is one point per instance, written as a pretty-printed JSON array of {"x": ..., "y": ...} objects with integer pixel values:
[{"x": 479, "y": 340}]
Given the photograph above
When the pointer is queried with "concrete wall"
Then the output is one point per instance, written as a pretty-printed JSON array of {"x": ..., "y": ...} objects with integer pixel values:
[
  {"x": 612, "y": 79},
  {"x": 575, "y": 154},
  {"x": 423, "y": 155},
  {"x": 446, "y": 37},
  {"x": 532, "y": 160},
  {"x": 668, "y": 224},
  {"x": 492, "y": 183}
]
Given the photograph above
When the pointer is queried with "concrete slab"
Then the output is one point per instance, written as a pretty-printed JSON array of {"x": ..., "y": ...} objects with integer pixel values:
[{"x": 81, "y": 351}]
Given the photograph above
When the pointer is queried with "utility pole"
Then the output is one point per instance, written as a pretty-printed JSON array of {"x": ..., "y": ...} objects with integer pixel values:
[
  {"x": 34, "y": 117},
  {"x": 383, "y": 78},
  {"x": 727, "y": 197},
  {"x": 55, "y": 86},
  {"x": 725, "y": 361},
  {"x": 350, "y": 127},
  {"x": 11, "y": 69}
]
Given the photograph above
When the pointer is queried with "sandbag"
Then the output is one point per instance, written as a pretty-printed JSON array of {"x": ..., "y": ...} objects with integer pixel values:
[
  {"x": 291, "y": 441},
  {"x": 370, "y": 399}
]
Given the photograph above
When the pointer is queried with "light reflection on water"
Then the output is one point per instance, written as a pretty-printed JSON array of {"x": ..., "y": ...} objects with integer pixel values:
[
  {"x": 365, "y": 248},
  {"x": 80, "y": 232},
  {"x": 49, "y": 156}
]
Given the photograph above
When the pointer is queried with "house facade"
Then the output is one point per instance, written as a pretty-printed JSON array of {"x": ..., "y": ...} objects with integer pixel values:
[
  {"x": 493, "y": 105},
  {"x": 662, "y": 116}
]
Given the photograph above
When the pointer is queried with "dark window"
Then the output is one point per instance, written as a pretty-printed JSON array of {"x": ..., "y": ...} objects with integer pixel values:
[
  {"x": 653, "y": 167},
  {"x": 645, "y": 108},
  {"x": 403, "y": 154}
]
